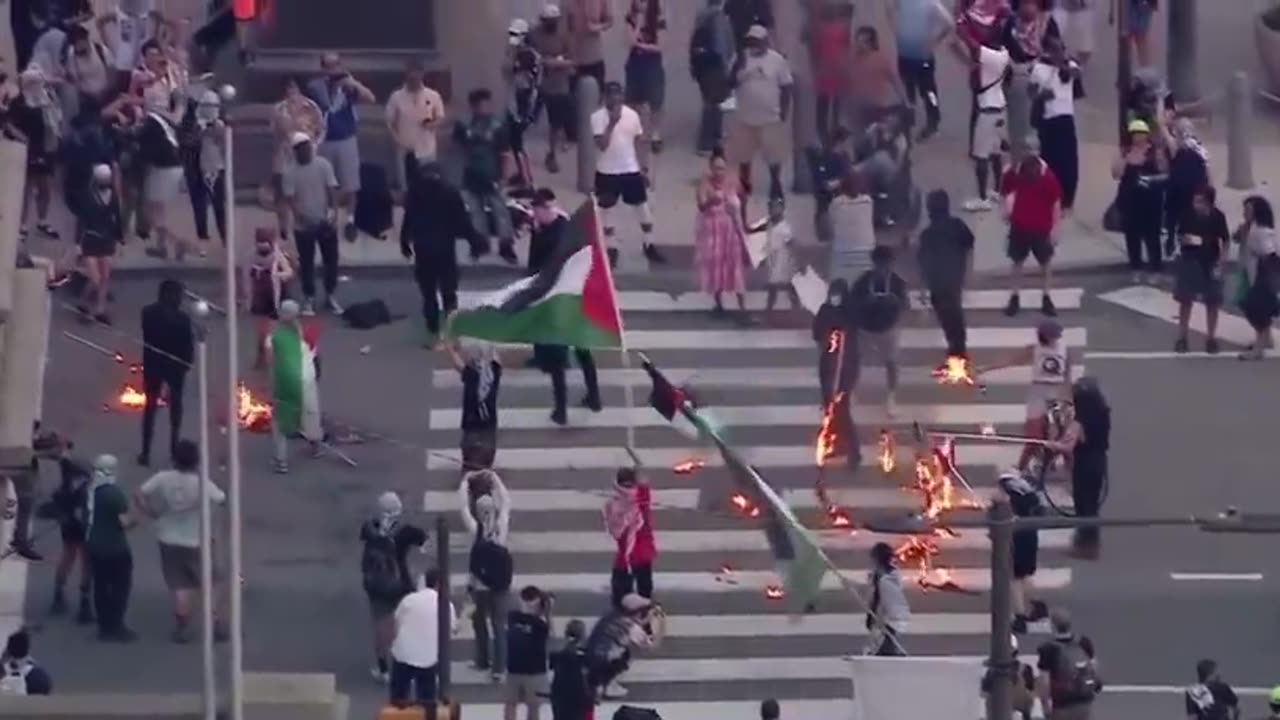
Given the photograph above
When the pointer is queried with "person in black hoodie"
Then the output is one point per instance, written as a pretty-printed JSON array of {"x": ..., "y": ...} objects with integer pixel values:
[
  {"x": 944, "y": 256},
  {"x": 571, "y": 695},
  {"x": 66, "y": 507},
  {"x": 835, "y": 335},
  {"x": 549, "y": 225},
  {"x": 435, "y": 216},
  {"x": 168, "y": 345},
  {"x": 100, "y": 230}
]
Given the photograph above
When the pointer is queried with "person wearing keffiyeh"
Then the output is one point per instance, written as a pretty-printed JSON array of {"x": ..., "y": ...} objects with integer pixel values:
[
  {"x": 628, "y": 517},
  {"x": 110, "y": 559},
  {"x": 387, "y": 534},
  {"x": 481, "y": 370},
  {"x": 1188, "y": 171}
]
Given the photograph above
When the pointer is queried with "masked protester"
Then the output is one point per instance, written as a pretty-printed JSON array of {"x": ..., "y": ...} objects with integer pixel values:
[
  {"x": 481, "y": 369},
  {"x": 1087, "y": 439},
  {"x": 67, "y": 507},
  {"x": 204, "y": 164},
  {"x": 35, "y": 118},
  {"x": 293, "y": 350},
  {"x": 265, "y": 284},
  {"x": 628, "y": 515},
  {"x": 945, "y": 250},
  {"x": 101, "y": 231},
  {"x": 110, "y": 559},
  {"x": 385, "y": 576},
  {"x": 168, "y": 347},
  {"x": 835, "y": 335}
]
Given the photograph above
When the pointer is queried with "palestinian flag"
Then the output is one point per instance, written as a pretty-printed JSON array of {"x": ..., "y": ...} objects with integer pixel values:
[
  {"x": 801, "y": 563},
  {"x": 294, "y": 392},
  {"x": 571, "y": 301}
]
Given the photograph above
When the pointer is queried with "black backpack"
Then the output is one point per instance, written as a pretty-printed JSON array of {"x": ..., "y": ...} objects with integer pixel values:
[
  {"x": 702, "y": 55},
  {"x": 367, "y": 315},
  {"x": 380, "y": 569},
  {"x": 880, "y": 306},
  {"x": 631, "y": 712},
  {"x": 491, "y": 564},
  {"x": 373, "y": 214}
]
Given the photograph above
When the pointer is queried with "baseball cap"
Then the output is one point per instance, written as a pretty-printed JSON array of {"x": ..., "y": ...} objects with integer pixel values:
[
  {"x": 1050, "y": 330},
  {"x": 550, "y": 11},
  {"x": 1139, "y": 126},
  {"x": 757, "y": 32},
  {"x": 299, "y": 138}
]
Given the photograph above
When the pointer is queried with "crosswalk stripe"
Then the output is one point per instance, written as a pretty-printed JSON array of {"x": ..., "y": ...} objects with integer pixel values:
[
  {"x": 771, "y": 377},
  {"x": 656, "y": 301},
  {"x": 831, "y": 624},
  {"x": 971, "y": 579},
  {"x": 750, "y": 416},
  {"x": 761, "y": 456},
  {"x": 836, "y": 709},
  {"x": 979, "y": 338},
  {"x": 529, "y": 501},
  {"x": 705, "y": 541},
  {"x": 1160, "y": 304}
]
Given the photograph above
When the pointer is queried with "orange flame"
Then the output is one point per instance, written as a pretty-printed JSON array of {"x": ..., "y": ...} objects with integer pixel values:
[
  {"x": 688, "y": 466},
  {"x": 835, "y": 341},
  {"x": 888, "y": 452},
  {"x": 826, "y": 445},
  {"x": 251, "y": 413},
  {"x": 741, "y": 502},
  {"x": 134, "y": 399},
  {"x": 839, "y": 518},
  {"x": 934, "y": 479},
  {"x": 118, "y": 357},
  {"x": 955, "y": 371},
  {"x": 773, "y": 592}
]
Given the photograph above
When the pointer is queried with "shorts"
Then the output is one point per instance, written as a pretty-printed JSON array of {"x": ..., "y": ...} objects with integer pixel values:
[
  {"x": 162, "y": 184},
  {"x": 990, "y": 133},
  {"x": 344, "y": 156},
  {"x": 631, "y": 187},
  {"x": 96, "y": 246},
  {"x": 1039, "y": 395},
  {"x": 528, "y": 689},
  {"x": 180, "y": 566},
  {"x": 73, "y": 533},
  {"x": 646, "y": 80},
  {"x": 559, "y": 111},
  {"x": 1024, "y": 243},
  {"x": 381, "y": 609},
  {"x": 1139, "y": 17},
  {"x": 878, "y": 348},
  {"x": 1193, "y": 281},
  {"x": 1077, "y": 28},
  {"x": 747, "y": 141}
]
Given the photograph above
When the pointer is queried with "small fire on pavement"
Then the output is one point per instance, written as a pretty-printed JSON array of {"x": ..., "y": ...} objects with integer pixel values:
[
  {"x": 688, "y": 467},
  {"x": 888, "y": 452},
  {"x": 934, "y": 470},
  {"x": 774, "y": 592},
  {"x": 132, "y": 398},
  {"x": 957, "y": 370},
  {"x": 252, "y": 414}
]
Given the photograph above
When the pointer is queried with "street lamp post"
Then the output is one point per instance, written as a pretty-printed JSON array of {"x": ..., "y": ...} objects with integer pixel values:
[
  {"x": 235, "y": 605},
  {"x": 201, "y": 312},
  {"x": 1124, "y": 66}
]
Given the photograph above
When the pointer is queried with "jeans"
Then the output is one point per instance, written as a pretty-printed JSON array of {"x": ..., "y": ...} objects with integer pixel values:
[
  {"x": 918, "y": 78},
  {"x": 490, "y": 614},
  {"x": 557, "y": 373},
  {"x": 438, "y": 282},
  {"x": 409, "y": 679},
  {"x": 1138, "y": 239},
  {"x": 639, "y": 579},
  {"x": 485, "y": 205},
  {"x": 326, "y": 238},
  {"x": 205, "y": 194},
  {"x": 948, "y": 309},
  {"x": 714, "y": 88},
  {"x": 152, "y": 384},
  {"x": 1060, "y": 150},
  {"x": 112, "y": 582},
  {"x": 1088, "y": 476}
]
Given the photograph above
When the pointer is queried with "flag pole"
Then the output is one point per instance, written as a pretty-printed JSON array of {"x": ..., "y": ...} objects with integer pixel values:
[{"x": 628, "y": 390}]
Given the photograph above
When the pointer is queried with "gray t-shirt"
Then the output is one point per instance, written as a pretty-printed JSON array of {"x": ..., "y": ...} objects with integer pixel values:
[
  {"x": 308, "y": 187},
  {"x": 760, "y": 83},
  {"x": 174, "y": 498}
]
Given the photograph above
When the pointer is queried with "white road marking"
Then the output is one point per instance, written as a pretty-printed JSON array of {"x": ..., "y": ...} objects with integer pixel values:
[
  {"x": 1167, "y": 355},
  {"x": 980, "y": 338},
  {"x": 1159, "y": 304},
  {"x": 1215, "y": 577}
]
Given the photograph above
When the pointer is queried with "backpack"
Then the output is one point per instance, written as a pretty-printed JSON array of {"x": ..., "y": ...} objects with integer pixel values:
[
  {"x": 373, "y": 201},
  {"x": 380, "y": 569},
  {"x": 702, "y": 55},
  {"x": 880, "y": 307},
  {"x": 631, "y": 712},
  {"x": 1076, "y": 678},
  {"x": 367, "y": 315},
  {"x": 491, "y": 564},
  {"x": 14, "y": 681}
]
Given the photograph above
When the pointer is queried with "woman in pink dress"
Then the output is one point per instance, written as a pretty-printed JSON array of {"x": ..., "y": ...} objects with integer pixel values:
[{"x": 720, "y": 252}]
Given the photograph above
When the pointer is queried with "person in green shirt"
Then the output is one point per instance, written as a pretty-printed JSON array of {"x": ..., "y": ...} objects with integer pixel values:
[{"x": 110, "y": 561}]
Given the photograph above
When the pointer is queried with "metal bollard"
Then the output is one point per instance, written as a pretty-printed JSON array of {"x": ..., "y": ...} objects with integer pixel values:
[
  {"x": 1239, "y": 132},
  {"x": 1184, "y": 76},
  {"x": 588, "y": 97}
]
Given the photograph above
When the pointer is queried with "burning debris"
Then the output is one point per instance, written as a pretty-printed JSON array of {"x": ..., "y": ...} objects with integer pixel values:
[
  {"x": 774, "y": 592},
  {"x": 131, "y": 398},
  {"x": 935, "y": 475},
  {"x": 888, "y": 453},
  {"x": 825, "y": 448},
  {"x": 688, "y": 467},
  {"x": 251, "y": 413},
  {"x": 955, "y": 371}
]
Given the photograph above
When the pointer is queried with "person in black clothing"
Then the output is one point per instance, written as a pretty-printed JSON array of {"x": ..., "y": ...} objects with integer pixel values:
[
  {"x": 100, "y": 230},
  {"x": 835, "y": 335},
  {"x": 1087, "y": 439},
  {"x": 1188, "y": 170},
  {"x": 545, "y": 244},
  {"x": 67, "y": 507},
  {"x": 387, "y": 536},
  {"x": 528, "y": 629},
  {"x": 88, "y": 144},
  {"x": 435, "y": 216},
  {"x": 478, "y": 364},
  {"x": 1204, "y": 239},
  {"x": 1211, "y": 698},
  {"x": 877, "y": 300},
  {"x": 1024, "y": 499},
  {"x": 168, "y": 346},
  {"x": 944, "y": 255},
  {"x": 745, "y": 13},
  {"x": 571, "y": 694},
  {"x": 831, "y": 164},
  {"x": 1068, "y": 667},
  {"x": 19, "y": 672},
  {"x": 201, "y": 135},
  {"x": 1141, "y": 167}
]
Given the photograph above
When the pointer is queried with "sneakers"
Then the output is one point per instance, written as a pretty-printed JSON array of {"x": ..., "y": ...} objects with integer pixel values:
[
  {"x": 379, "y": 675},
  {"x": 592, "y": 403},
  {"x": 47, "y": 230},
  {"x": 308, "y": 308},
  {"x": 1047, "y": 308},
  {"x": 654, "y": 255},
  {"x": 559, "y": 418},
  {"x": 1180, "y": 345},
  {"x": 614, "y": 691},
  {"x": 350, "y": 232},
  {"x": 1013, "y": 306},
  {"x": 1211, "y": 346},
  {"x": 280, "y": 467},
  {"x": 331, "y": 305},
  {"x": 978, "y": 205},
  {"x": 891, "y": 406}
]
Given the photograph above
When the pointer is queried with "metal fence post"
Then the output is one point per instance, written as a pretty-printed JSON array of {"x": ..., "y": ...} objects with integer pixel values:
[
  {"x": 444, "y": 626},
  {"x": 588, "y": 97},
  {"x": 1239, "y": 130},
  {"x": 1003, "y": 665},
  {"x": 1184, "y": 76}
]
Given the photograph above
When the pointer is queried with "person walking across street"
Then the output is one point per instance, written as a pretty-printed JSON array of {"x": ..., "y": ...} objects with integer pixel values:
[
  {"x": 337, "y": 93},
  {"x": 415, "y": 652},
  {"x": 628, "y": 516},
  {"x": 888, "y": 611},
  {"x": 1033, "y": 202},
  {"x": 944, "y": 256},
  {"x": 172, "y": 499},
  {"x": 110, "y": 559},
  {"x": 712, "y": 53},
  {"x": 763, "y": 98},
  {"x": 528, "y": 630},
  {"x": 1068, "y": 671},
  {"x": 622, "y": 170},
  {"x": 312, "y": 188},
  {"x": 919, "y": 28},
  {"x": 1205, "y": 245},
  {"x": 878, "y": 299},
  {"x": 168, "y": 346},
  {"x": 1211, "y": 698},
  {"x": 386, "y": 540}
]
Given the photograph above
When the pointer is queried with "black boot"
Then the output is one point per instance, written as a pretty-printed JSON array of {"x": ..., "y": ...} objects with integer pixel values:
[
  {"x": 1019, "y": 624},
  {"x": 59, "y": 605}
]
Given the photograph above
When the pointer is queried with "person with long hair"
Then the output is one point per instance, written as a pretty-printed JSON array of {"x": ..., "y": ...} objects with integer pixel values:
[
  {"x": 1204, "y": 244},
  {"x": 1087, "y": 440},
  {"x": 1141, "y": 167},
  {"x": 720, "y": 254},
  {"x": 888, "y": 610},
  {"x": 1259, "y": 250},
  {"x": 646, "y": 79}
]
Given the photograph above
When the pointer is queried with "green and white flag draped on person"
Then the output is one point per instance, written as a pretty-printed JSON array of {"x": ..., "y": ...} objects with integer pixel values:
[
  {"x": 295, "y": 393},
  {"x": 800, "y": 561},
  {"x": 571, "y": 301}
]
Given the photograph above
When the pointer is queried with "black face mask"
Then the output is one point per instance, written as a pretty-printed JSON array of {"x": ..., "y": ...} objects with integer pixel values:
[{"x": 550, "y": 25}]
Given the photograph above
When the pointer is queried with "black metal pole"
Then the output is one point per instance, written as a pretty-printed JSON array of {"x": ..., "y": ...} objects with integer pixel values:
[
  {"x": 444, "y": 618},
  {"x": 1124, "y": 66},
  {"x": 1002, "y": 665}
]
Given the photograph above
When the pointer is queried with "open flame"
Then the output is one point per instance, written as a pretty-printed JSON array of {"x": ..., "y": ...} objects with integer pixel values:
[
  {"x": 688, "y": 466},
  {"x": 934, "y": 480},
  {"x": 134, "y": 399},
  {"x": 957, "y": 370},
  {"x": 252, "y": 414},
  {"x": 774, "y": 592},
  {"x": 826, "y": 444},
  {"x": 888, "y": 452}
]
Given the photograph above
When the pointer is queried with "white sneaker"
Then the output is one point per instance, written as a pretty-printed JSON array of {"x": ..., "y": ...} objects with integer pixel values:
[
  {"x": 332, "y": 305},
  {"x": 308, "y": 308},
  {"x": 615, "y": 691},
  {"x": 978, "y": 205},
  {"x": 378, "y": 675},
  {"x": 891, "y": 406}
]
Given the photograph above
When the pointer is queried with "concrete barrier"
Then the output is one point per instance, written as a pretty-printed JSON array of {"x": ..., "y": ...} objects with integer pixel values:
[
  {"x": 22, "y": 363},
  {"x": 13, "y": 168},
  {"x": 268, "y": 696}
]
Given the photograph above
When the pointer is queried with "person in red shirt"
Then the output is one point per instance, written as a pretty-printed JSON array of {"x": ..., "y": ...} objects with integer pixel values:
[
  {"x": 1033, "y": 203},
  {"x": 628, "y": 516}
]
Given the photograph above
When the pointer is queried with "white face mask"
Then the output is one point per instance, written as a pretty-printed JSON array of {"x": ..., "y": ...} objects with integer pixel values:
[
  {"x": 835, "y": 301},
  {"x": 206, "y": 114}
]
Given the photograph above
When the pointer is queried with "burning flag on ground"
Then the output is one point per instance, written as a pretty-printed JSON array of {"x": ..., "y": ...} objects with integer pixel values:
[
  {"x": 801, "y": 563},
  {"x": 252, "y": 414}
]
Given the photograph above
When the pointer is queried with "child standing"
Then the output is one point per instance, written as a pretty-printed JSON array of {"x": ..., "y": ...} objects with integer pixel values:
[
  {"x": 780, "y": 260},
  {"x": 265, "y": 284}
]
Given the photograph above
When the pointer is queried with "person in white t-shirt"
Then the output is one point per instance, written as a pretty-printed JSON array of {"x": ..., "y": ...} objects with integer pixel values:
[
  {"x": 989, "y": 132},
  {"x": 1053, "y": 81},
  {"x": 622, "y": 169},
  {"x": 124, "y": 30},
  {"x": 415, "y": 651}
]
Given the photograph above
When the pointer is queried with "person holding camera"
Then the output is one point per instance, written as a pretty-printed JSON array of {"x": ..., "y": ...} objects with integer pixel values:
[
  {"x": 635, "y": 622},
  {"x": 528, "y": 628}
]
